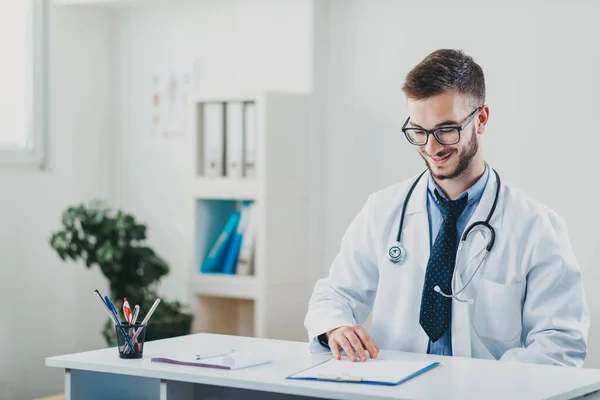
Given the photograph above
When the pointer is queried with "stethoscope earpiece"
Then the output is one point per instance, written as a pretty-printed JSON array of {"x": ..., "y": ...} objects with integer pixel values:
[{"x": 452, "y": 296}]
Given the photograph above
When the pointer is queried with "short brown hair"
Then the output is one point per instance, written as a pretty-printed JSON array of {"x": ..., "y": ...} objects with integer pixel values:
[{"x": 446, "y": 70}]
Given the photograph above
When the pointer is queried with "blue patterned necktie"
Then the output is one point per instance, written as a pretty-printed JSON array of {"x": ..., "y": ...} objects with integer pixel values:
[{"x": 436, "y": 309}]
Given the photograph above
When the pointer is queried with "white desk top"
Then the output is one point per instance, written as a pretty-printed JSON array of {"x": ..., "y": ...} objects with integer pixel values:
[{"x": 457, "y": 378}]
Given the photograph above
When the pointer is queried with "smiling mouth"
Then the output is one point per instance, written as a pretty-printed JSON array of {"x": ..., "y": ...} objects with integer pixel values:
[{"x": 440, "y": 160}]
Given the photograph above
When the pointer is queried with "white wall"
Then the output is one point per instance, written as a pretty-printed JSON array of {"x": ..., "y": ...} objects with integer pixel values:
[
  {"x": 541, "y": 62},
  {"x": 354, "y": 55},
  {"x": 48, "y": 307},
  {"x": 262, "y": 44}
]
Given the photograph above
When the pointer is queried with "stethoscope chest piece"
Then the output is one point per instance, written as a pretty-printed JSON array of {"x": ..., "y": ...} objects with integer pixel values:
[{"x": 397, "y": 254}]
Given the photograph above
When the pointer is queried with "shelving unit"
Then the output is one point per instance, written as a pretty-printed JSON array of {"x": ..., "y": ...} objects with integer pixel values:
[
  {"x": 272, "y": 302},
  {"x": 225, "y": 189},
  {"x": 228, "y": 286}
]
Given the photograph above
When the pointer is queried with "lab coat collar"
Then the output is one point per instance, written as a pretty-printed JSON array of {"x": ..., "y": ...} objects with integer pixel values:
[
  {"x": 418, "y": 201},
  {"x": 486, "y": 202}
]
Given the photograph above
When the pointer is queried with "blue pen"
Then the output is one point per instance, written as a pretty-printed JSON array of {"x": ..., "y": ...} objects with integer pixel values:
[{"x": 111, "y": 307}]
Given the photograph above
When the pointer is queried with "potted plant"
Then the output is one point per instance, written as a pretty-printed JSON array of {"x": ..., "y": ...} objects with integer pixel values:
[{"x": 113, "y": 240}]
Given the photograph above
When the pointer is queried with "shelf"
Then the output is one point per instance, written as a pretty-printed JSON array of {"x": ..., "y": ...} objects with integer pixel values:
[
  {"x": 224, "y": 96},
  {"x": 111, "y": 3},
  {"x": 96, "y": 2},
  {"x": 225, "y": 189},
  {"x": 230, "y": 286},
  {"x": 266, "y": 304}
]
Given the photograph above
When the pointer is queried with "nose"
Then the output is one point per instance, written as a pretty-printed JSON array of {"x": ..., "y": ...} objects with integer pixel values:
[{"x": 433, "y": 146}]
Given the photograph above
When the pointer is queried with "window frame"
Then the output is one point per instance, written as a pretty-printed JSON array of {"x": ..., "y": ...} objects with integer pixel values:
[{"x": 35, "y": 154}]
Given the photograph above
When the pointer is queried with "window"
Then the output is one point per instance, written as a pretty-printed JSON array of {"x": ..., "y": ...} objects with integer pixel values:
[{"x": 23, "y": 116}]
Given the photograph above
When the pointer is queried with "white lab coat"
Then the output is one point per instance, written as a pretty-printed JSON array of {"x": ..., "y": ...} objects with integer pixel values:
[{"x": 529, "y": 303}]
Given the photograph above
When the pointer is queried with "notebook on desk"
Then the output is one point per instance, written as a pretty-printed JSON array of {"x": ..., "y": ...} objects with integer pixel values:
[
  {"x": 374, "y": 372},
  {"x": 232, "y": 360}
]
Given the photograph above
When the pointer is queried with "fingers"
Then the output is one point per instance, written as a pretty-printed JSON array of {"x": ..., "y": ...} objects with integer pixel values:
[
  {"x": 343, "y": 341},
  {"x": 367, "y": 341},
  {"x": 357, "y": 345},
  {"x": 354, "y": 340},
  {"x": 335, "y": 348}
]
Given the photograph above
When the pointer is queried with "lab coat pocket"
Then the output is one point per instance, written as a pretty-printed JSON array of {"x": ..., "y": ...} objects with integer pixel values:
[{"x": 498, "y": 309}]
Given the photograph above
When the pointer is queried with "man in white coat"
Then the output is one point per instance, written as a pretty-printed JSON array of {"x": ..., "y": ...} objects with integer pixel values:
[{"x": 526, "y": 300}]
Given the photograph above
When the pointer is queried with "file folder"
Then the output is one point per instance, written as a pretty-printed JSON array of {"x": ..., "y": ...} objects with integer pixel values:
[
  {"x": 250, "y": 140},
  {"x": 213, "y": 262},
  {"x": 234, "y": 138},
  {"x": 370, "y": 372},
  {"x": 231, "y": 258},
  {"x": 213, "y": 140}
]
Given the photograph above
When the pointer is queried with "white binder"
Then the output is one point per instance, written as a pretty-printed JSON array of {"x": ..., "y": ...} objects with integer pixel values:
[
  {"x": 213, "y": 139},
  {"x": 250, "y": 140},
  {"x": 234, "y": 139}
]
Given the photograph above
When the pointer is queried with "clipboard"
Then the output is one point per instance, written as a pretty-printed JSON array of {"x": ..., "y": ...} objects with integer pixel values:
[{"x": 371, "y": 372}]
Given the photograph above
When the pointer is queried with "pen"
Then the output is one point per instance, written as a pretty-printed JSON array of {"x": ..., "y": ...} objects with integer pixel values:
[
  {"x": 136, "y": 311},
  {"x": 110, "y": 314},
  {"x": 112, "y": 309},
  {"x": 117, "y": 322},
  {"x": 215, "y": 354},
  {"x": 146, "y": 318},
  {"x": 127, "y": 310}
]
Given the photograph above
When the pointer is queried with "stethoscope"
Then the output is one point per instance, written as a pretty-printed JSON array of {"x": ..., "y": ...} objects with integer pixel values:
[{"x": 397, "y": 253}]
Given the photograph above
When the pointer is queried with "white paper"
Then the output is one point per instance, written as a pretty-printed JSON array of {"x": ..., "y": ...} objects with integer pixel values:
[
  {"x": 376, "y": 370},
  {"x": 170, "y": 92}
]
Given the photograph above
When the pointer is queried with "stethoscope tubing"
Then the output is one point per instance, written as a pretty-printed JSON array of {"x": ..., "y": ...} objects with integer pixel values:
[{"x": 476, "y": 225}]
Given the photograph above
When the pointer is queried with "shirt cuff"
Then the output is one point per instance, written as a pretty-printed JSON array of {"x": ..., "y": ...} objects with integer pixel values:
[{"x": 322, "y": 339}]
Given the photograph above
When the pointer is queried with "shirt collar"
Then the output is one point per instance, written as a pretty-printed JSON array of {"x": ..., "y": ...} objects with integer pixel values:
[{"x": 474, "y": 192}]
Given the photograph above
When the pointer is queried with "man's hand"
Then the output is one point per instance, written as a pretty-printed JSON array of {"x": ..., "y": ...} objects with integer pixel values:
[{"x": 354, "y": 340}]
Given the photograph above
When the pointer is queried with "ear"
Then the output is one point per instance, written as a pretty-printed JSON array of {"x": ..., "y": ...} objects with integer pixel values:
[{"x": 482, "y": 119}]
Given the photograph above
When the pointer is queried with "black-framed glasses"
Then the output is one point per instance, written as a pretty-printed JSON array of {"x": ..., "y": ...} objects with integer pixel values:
[{"x": 445, "y": 135}]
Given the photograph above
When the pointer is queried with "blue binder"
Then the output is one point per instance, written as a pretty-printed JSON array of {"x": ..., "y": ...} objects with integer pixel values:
[
  {"x": 213, "y": 262},
  {"x": 346, "y": 378},
  {"x": 233, "y": 250}
]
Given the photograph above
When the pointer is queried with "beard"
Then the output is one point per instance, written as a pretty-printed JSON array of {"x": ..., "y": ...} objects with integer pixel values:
[{"x": 464, "y": 160}]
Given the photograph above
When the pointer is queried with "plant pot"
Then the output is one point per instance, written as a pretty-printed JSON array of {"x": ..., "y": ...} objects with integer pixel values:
[
  {"x": 169, "y": 327},
  {"x": 158, "y": 328}
]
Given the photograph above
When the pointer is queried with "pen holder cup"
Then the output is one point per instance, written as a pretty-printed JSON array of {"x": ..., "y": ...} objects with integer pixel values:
[{"x": 136, "y": 334}]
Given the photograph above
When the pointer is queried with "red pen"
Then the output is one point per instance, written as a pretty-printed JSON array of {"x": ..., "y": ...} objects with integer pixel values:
[
  {"x": 127, "y": 311},
  {"x": 128, "y": 317}
]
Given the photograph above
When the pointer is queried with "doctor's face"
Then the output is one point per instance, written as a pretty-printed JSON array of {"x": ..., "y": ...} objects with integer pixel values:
[{"x": 447, "y": 109}]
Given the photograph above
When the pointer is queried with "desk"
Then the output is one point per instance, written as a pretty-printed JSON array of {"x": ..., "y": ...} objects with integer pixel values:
[{"x": 101, "y": 374}]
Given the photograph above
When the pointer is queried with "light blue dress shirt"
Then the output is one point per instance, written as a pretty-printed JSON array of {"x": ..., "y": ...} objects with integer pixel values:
[{"x": 443, "y": 346}]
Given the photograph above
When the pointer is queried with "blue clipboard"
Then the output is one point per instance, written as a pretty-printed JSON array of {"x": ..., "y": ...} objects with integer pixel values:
[{"x": 357, "y": 379}]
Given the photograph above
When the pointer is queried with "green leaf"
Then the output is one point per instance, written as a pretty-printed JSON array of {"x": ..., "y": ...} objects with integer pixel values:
[{"x": 113, "y": 241}]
